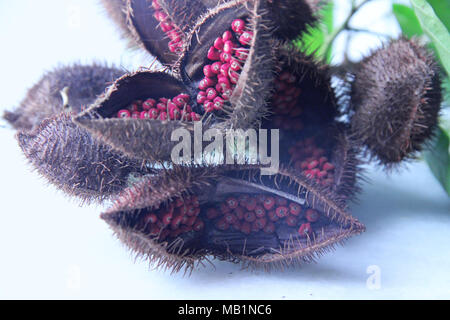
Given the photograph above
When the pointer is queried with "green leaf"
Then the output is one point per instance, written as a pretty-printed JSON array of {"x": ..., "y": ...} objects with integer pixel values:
[
  {"x": 442, "y": 10},
  {"x": 435, "y": 30},
  {"x": 407, "y": 20},
  {"x": 438, "y": 158},
  {"x": 314, "y": 41}
]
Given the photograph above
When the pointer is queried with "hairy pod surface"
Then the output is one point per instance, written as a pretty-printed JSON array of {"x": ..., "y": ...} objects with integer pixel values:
[
  {"x": 260, "y": 221},
  {"x": 396, "y": 98},
  {"x": 78, "y": 164},
  {"x": 66, "y": 89}
]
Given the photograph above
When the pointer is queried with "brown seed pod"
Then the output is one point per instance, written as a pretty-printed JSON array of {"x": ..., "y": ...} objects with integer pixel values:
[
  {"x": 172, "y": 222},
  {"x": 71, "y": 159},
  {"x": 396, "y": 98},
  {"x": 158, "y": 26},
  {"x": 149, "y": 138},
  {"x": 66, "y": 89},
  {"x": 292, "y": 17}
]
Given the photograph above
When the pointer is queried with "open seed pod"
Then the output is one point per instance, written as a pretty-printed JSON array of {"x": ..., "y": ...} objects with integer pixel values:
[
  {"x": 158, "y": 26},
  {"x": 141, "y": 110},
  {"x": 260, "y": 221},
  {"x": 396, "y": 97},
  {"x": 66, "y": 89},
  {"x": 75, "y": 162}
]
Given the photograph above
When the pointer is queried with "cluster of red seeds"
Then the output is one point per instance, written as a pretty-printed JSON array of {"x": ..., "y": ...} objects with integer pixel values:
[
  {"x": 176, "y": 108},
  {"x": 168, "y": 27},
  {"x": 285, "y": 102},
  {"x": 247, "y": 214},
  {"x": 227, "y": 56},
  {"x": 312, "y": 161},
  {"x": 179, "y": 217}
]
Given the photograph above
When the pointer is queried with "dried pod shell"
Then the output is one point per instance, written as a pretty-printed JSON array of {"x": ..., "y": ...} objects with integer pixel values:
[
  {"x": 70, "y": 158},
  {"x": 65, "y": 89},
  {"x": 280, "y": 245},
  {"x": 396, "y": 99}
]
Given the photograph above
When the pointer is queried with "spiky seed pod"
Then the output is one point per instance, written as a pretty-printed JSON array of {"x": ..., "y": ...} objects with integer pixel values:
[
  {"x": 70, "y": 158},
  {"x": 245, "y": 74},
  {"x": 303, "y": 98},
  {"x": 65, "y": 89},
  {"x": 292, "y": 17},
  {"x": 158, "y": 26},
  {"x": 150, "y": 138},
  {"x": 396, "y": 98},
  {"x": 142, "y": 218}
]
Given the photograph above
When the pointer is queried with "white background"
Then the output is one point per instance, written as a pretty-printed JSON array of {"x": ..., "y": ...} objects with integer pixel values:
[{"x": 52, "y": 248}]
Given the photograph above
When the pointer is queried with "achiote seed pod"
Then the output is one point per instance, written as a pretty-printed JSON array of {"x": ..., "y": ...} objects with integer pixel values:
[
  {"x": 66, "y": 89},
  {"x": 261, "y": 222},
  {"x": 396, "y": 99}
]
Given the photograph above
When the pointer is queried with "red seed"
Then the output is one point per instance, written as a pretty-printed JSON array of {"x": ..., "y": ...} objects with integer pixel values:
[
  {"x": 201, "y": 97},
  {"x": 312, "y": 215},
  {"x": 243, "y": 199},
  {"x": 282, "y": 212},
  {"x": 150, "y": 218},
  {"x": 232, "y": 203},
  {"x": 198, "y": 226},
  {"x": 328, "y": 166},
  {"x": 291, "y": 221},
  {"x": 260, "y": 223},
  {"x": 195, "y": 116},
  {"x": 238, "y": 26},
  {"x": 224, "y": 208},
  {"x": 176, "y": 221},
  {"x": 135, "y": 115},
  {"x": 218, "y": 103},
  {"x": 209, "y": 106},
  {"x": 280, "y": 201},
  {"x": 190, "y": 221},
  {"x": 163, "y": 116},
  {"x": 313, "y": 164},
  {"x": 230, "y": 218},
  {"x": 295, "y": 209},
  {"x": 161, "y": 106},
  {"x": 208, "y": 72},
  {"x": 273, "y": 216},
  {"x": 225, "y": 57},
  {"x": 213, "y": 54},
  {"x": 239, "y": 213},
  {"x": 260, "y": 212},
  {"x": 215, "y": 67},
  {"x": 144, "y": 115},
  {"x": 227, "y": 35},
  {"x": 250, "y": 204},
  {"x": 249, "y": 216},
  {"x": 222, "y": 224},
  {"x": 305, "y": 230},
  {"x": 269, "y": 202},
  {"x": 241, "y": 53},
  {"x": 124, "y": 114},
  {"x": 148, "y": 104},
  {"x": 211, "y": 93},
  {"x": 246, "y": 38},
  {"x": 229, "y": 46},
  {"x": 167, "y": 218},
  {"x": 218, "y": 43},
  {"x": 235, "y": 65},
  {"x": 269, "y": 228}
]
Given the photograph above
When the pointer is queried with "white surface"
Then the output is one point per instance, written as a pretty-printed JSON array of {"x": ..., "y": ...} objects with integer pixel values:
[{"x": 52, "y": 248}]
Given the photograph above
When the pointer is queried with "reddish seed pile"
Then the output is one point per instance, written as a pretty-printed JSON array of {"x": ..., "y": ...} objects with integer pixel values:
[
  {"x": 285, "y": 102},
  {"x": 176, "y": 108},
  {"x": 227, "y": 56},
  {"x": 312, "y": 161},
  {"x": 179, "y": 217},
  {"x": 169, "y": 28},
  {"x": 248, "y": 213}
]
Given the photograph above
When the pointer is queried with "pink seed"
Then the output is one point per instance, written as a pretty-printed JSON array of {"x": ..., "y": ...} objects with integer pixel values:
[
  {"x": 246, "y": 38},
  {"x": 215, "y": 67},
  {"x": 213, "y": 54},
  {"x": 238, "y": 26},
  {"x": 227, "y": 35},
  {"x": 201, "y": 97},
  {"x": 229, "y": 46},
  {"x": 124, "y": 114},
  {"x": 208, "y": 72},
  {"x": 218, "y": 44}
]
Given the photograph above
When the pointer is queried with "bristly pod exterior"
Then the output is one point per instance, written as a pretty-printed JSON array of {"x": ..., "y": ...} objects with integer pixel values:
[
  {"x": 78, "y": 164},
  {"x": 260, "y": 221},
  {"x": 293, "y": 17},
  {"x": 395, "y": 97},
  {"x": 65, "y": 89},
  {"x": 157, "y": 26}
]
